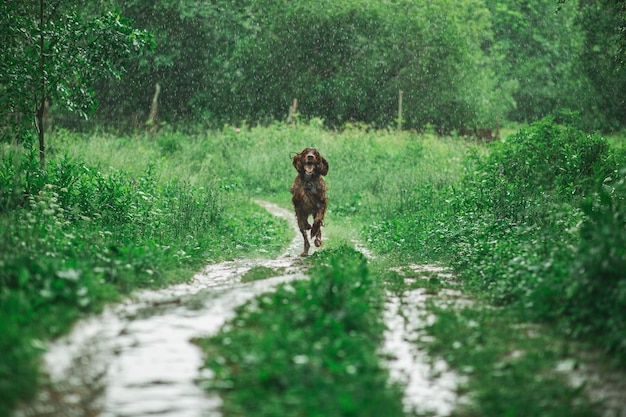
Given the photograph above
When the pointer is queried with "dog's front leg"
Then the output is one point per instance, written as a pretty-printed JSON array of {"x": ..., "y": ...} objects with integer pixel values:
[
  {"x": 303, "y": 225},
  {"x": 316, "y": 230}
]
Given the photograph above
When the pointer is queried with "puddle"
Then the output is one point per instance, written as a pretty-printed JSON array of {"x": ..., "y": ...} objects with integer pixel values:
[
  {"x": 136, "y": 359},
  {"x": 429, "y": 386}
]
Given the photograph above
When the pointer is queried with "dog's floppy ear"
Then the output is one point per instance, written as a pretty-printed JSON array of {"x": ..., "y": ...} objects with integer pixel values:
[
  {"x": 323, "y": 166},
  {"x": 297, "y": 162}
]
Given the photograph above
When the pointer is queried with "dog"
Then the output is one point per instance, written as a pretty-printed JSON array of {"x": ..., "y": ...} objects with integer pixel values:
[{"x": 309, "y": 195}]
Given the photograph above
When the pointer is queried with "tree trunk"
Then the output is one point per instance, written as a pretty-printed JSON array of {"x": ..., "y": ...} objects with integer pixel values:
[
  {"x": 153, "y": 119},
  {"x": 40, "y": 132},
  {"x": 400, "y": 110},
  {"x": 41, "y": 103},
  {"x": 293, "y": 110}
]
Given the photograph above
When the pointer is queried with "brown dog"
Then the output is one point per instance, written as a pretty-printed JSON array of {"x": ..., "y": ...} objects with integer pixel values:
[{"x": 309, "y": 194}]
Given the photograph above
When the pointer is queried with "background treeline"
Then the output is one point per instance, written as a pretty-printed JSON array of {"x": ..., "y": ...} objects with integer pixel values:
[{"x": 461, "y": 64}]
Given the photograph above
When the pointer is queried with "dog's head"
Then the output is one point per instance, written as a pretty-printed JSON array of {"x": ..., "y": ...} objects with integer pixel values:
[{"x": 309, "y": 162}]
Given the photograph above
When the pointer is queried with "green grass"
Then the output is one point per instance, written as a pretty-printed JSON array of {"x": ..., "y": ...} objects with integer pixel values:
[
  {"x": 114, "y": 213},
  {"x": 307, "y": 349},
  {"x": 260, "y": 272},
  {"x": 511, "y": 366}
]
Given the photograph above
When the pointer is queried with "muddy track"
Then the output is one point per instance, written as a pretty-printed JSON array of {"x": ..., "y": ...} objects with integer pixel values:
[{"x": 136, "y": 358}]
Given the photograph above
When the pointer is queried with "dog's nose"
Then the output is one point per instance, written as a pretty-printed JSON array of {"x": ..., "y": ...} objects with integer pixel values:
[{"x": 310, "y": 157}]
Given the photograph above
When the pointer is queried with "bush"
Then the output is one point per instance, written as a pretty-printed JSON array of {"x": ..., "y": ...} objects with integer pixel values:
[
  {"x": 523, "y": 177},
  {"x": 529, "y": 197},
  {"x": 512, "y": 228},
  {"x": 596, "y": 294}
]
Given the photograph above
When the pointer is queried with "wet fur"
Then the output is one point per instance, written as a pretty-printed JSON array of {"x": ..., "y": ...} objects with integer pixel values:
[{"x": 309, "y": 195}]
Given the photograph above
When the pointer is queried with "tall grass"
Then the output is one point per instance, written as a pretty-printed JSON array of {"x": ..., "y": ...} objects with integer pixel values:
[
  {"x": 80, "y": 234},
  {"x": 307, "y": 349},
  {"x": 525, "y": 222}
]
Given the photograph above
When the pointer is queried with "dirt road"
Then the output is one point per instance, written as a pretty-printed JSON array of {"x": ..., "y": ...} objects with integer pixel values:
[{"x": 136, "y": 359}]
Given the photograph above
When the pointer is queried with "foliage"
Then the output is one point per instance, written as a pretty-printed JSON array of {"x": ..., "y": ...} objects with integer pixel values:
[
  {"x": 541, "y": 50},
  {"x": 184, "y": 71},
  {"x": 463, "y": 65},
  {"x": 604, "y": 25},
  {"x": 543, "y": 162},
  {"x": 344, "y": 60},
  {"x": 596, "y": 295},
  {"x": 561, "y": 55},
  {"x": 74, "y": 238},
  {"x": 309, "y": 348},
  {"x": 501, "y": 354},
  {"x": 498, "y": 226},
  {"x": 259, "y": 272},
  {"x": 52, "y": 53}
]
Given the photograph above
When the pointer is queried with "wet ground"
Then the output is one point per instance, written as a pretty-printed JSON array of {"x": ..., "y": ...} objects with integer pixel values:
[
  {"x": 136, "y": 358},
  {"x": 430, "y": 385}
]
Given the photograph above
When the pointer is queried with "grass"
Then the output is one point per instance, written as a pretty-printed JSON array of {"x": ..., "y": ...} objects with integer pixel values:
[
  {"x": 500, "y": 354},
  {"x": 261, "y": 272},
  {"x": 114, "y": 213},
  {"x": 310, "y": 348}
]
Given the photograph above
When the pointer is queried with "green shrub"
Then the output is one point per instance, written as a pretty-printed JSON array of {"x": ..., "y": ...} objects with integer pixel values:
[
  {"x": 596, "y": 293},
  {"x": 523, "y": 177},
  {"x": 512, "y": 227},
  {"x": 525, "y": 203}
]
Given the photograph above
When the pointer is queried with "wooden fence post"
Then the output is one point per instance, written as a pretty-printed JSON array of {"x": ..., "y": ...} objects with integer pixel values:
[
  {"x": 400, "y": 111},
  {"x": 292, "y": 112},
  {"x": 153, "y": 119}
]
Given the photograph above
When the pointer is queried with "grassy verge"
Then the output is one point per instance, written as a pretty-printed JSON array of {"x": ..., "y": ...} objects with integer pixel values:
[
  {"x": 75, "y": 237},
  {"x": 525, "y": 223},
  {"x": 538, "y": 223},
  {"x": 511, "y": 365},
  {"x": 307, "y": 349}
]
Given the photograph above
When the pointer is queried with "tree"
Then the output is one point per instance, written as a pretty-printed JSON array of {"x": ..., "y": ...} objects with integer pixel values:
[
  {"x": 191, "y": 39},
  {"x": 541, "y": 47},
  {"x": 604, "y": 62},
  {"x": 53, "y": 53},
  {"x": 344, "y": 60}
]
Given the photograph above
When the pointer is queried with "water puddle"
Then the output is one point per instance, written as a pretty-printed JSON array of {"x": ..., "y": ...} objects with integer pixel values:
[
  {"x": 136, "y": 359},
  {"x": 430, "y": 387}
]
